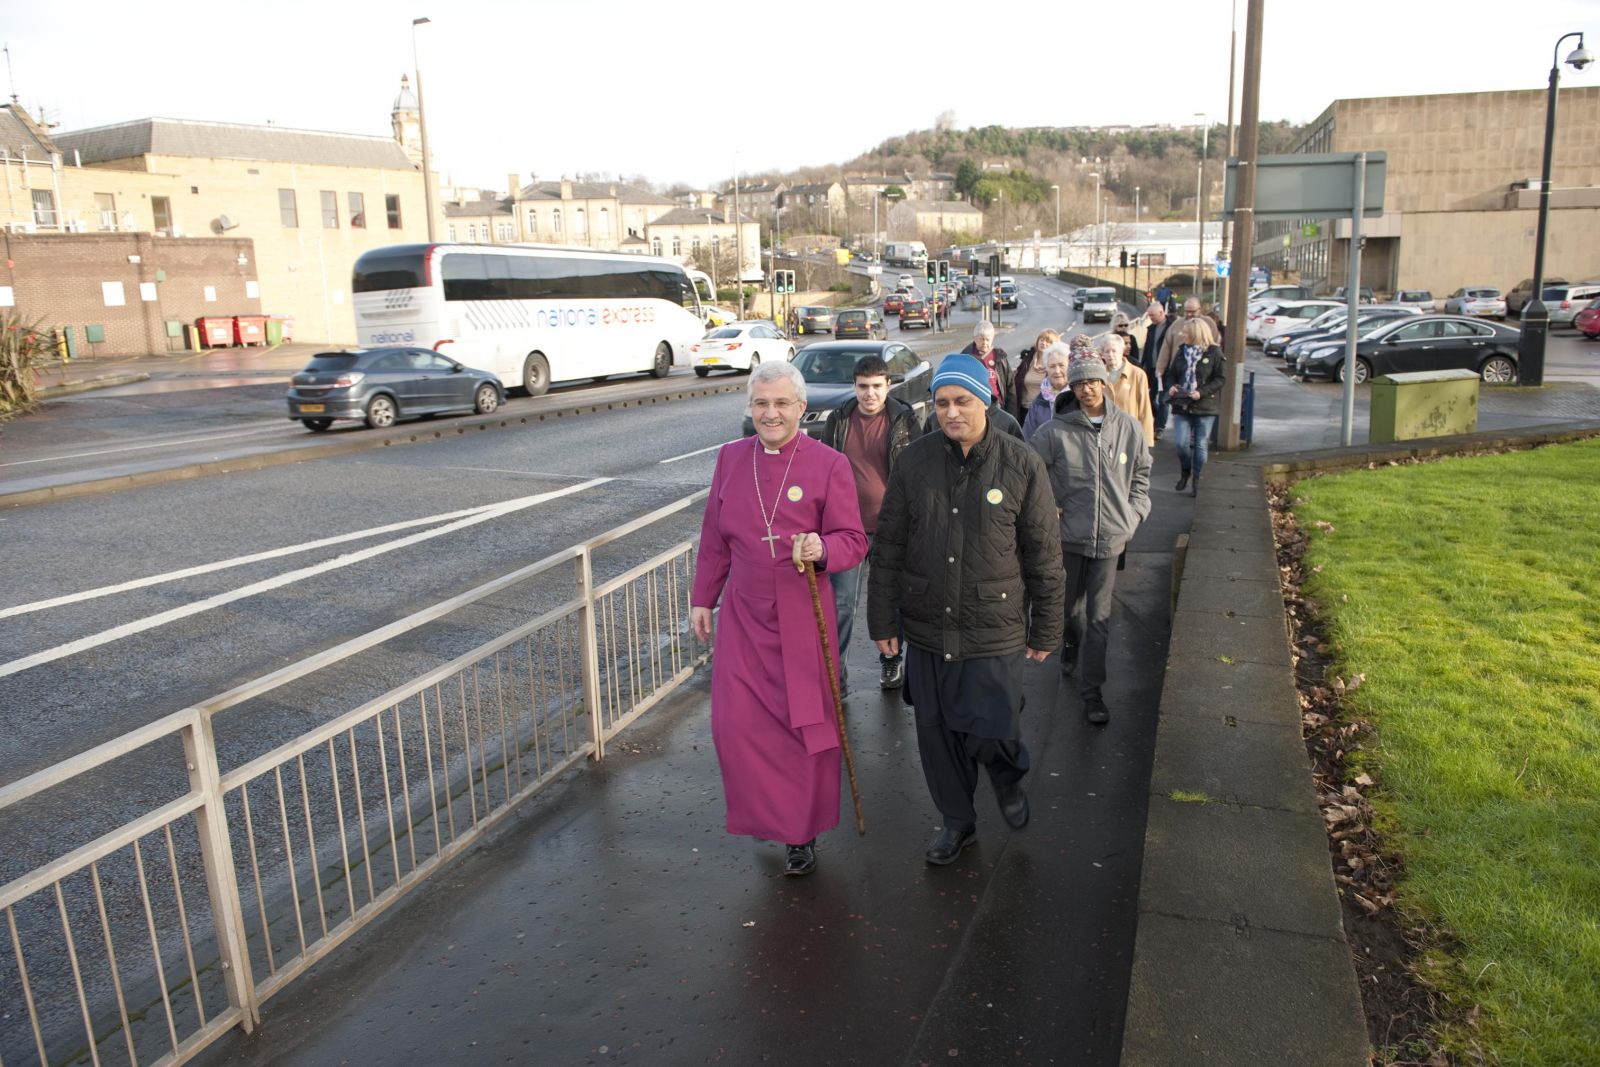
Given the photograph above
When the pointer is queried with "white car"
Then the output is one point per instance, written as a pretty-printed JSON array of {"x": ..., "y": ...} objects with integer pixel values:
[
  {"x": 1271, "y": 321},
  {"x": 739, "y": 346},
  {"x": 906, "y": 282}
]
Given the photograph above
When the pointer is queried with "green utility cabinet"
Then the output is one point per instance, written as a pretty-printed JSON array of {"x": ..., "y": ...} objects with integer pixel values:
[{"x": 1423, "y": 404}]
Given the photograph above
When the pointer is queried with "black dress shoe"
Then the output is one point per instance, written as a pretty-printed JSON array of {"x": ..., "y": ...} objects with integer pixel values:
[
  {"x": 1183, "y": 482},
  {"x": 1013, "y": 804},
  {"x": 802, "y": 858},
  {"x": 1095, "y": 710},
  {"x": 947, "y": 847}
]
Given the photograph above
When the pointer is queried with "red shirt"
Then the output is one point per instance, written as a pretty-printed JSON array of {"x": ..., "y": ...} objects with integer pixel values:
[{"x": 866, "y": 446}]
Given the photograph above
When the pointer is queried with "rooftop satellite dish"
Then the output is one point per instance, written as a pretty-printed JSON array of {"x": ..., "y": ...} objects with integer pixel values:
[{"x": 225, "y": 223}]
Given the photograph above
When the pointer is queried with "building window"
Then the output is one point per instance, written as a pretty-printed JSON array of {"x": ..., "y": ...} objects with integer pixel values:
[
  {"x": 44, "y": 207},
  {"x": 677, "y": 246},
  {"x": 533, "y": 224},
  {"x": 605, "y": 223},
  {"x": 655, "y": 246},
  {"x": 330, "y": 210},
  {"x": 694, "y": 247},
  {"x": 105, "y": 205},
  {"x": 358, "y": 211},
  {"x": 472, "y": 232},
  {"x": 555, "y": 222},
  {"x": 503, "y": 230},
  {"x": 288, "y": 214},
  {"x": 450, "y": 232},
  {"x": 580, "y": 225},
  {"x": 391, "y": 205},
  {"x": 161, "y": 208}
]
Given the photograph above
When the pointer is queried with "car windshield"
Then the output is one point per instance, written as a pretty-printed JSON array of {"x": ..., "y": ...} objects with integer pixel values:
[
  {"x": 726, "y": 331},
  {"x": 813, "y": 311},
  {"x": 1483, "y": 294},
  {"x": 830, "y": 366},
  {"x": 1101, "y": 295},
  {"x": 1330, "y": 317},
  {"x": 1555, "y": 292},
  {"x": 327, "y": 361},
  {"x": 852, "y": 316}
]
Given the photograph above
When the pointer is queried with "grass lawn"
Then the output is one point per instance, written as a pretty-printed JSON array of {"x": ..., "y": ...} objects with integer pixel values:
[{"x": 1468, "y": 593}]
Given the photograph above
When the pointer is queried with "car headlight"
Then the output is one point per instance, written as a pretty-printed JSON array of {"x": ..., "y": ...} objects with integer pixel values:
[{"x": 1323, "y": 354}]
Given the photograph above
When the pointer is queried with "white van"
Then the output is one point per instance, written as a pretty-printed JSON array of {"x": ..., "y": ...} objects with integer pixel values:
[{"x": 1099, "y": 304}]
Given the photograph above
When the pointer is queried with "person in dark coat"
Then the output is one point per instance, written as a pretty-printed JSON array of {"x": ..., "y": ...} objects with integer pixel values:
[
  {"x": 1194, "y": 381},
  {"x": 966, "y": 559},
  {"x": 1155, "y": 333},
  {"x": 871, "y": 429}
]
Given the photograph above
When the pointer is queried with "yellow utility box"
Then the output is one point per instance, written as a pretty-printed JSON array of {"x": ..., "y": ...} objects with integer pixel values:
[{"x": 1423, "y": 404}]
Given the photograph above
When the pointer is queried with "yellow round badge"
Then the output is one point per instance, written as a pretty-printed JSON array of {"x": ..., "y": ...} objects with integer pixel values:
[
  {"x": 995, "y": 496},
  {"x": 1122, "y": 458},
  {"x": 795, "y": 493}
]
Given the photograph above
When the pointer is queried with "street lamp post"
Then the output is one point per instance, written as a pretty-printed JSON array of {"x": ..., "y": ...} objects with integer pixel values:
[
  {"x": 422, "y": 128},
  {"x": 1094, "y": 253},
  {"x": 1199, "y": 199},
  {"x": 711, "y": 250},
  {"x": 1057, "y": 188},
  {"x": 1535, "y": 316}
]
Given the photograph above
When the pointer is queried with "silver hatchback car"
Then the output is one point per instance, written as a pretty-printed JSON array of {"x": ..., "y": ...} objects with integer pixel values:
[{"x": 381, "y": 385}]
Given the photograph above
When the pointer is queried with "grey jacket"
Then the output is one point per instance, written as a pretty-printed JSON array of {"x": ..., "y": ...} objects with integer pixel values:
[{"x": 1100, "y": 477}]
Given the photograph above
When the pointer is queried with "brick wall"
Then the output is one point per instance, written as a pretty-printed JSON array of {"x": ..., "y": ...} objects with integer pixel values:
[{"x": 60, "y": 278}]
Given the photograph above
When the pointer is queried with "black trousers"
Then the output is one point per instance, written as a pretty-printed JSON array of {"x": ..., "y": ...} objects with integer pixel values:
[
  {"x": 968, "y": 714},
  {"x": 1088, "y": 610}
]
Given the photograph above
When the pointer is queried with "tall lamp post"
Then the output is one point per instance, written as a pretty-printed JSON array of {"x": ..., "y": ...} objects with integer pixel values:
[
  {"x": 1094, "y": 252},
  {"x": 1199, "y": 199},
  {"x": 1535, "y": 316},
  {"x": 711, "y": 250},
  {"x": 1057, "y": 188},
  {"x": 422, "y": 128}
]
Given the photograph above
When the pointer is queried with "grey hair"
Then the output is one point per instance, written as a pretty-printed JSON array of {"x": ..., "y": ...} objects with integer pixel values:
[
  {"x": 985, "y": 328},
  {"x": 1057, "y": 353},
  {"x": 1109, "y": 341},
  {"x": 771, "y": 372}
]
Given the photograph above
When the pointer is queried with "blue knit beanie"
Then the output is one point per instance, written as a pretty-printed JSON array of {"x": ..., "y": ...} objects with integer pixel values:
[{"x": 968, "y": 372}]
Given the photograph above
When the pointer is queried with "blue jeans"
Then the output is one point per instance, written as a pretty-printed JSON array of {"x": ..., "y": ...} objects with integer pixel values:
[
  {"x": 1159, "y": 408},
  {"x": 846, "y": 595},
  {"x": 1192, "y": 437}
]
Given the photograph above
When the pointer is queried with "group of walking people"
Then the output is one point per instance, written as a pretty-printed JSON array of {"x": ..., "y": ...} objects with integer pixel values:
[{"x": 988, "y": 539}]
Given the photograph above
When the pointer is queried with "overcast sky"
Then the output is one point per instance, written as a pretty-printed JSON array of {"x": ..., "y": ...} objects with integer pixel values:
[{"x": 556, "y": 87}]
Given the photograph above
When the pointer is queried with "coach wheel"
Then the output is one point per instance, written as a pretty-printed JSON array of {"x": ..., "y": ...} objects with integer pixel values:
[{"x": 535, "y": 375}]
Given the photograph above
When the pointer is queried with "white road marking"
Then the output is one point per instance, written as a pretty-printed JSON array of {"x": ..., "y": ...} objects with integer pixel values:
[
  {"x": 697, "y": 452},
  {"x": 238, "y": 561},
  {"x": 141, "y": 448},
  {"x": 151, "y": 622}
]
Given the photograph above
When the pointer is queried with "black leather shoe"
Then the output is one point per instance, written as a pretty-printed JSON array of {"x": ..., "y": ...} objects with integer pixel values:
[
  {"x": 893, "y": 675},
  {"x": 1095, "y": 710},
  {"x": 802, "y": 858},
  {"x": 1183, "y": 482},
  {"x": 1069, "y": 659},
  {"x": 1013, "y": 804},
  {"x": 947, "y": 847}
]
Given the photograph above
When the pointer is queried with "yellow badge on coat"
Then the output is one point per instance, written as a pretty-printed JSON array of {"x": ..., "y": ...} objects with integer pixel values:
[
  {"x": 795, "y": 493},
  {"x": 995, "y": 496},
  {"x": 1122, "y": 457}
]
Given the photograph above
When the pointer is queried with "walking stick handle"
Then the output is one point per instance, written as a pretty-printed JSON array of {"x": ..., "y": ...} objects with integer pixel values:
[{"x": 838, "y": 699}]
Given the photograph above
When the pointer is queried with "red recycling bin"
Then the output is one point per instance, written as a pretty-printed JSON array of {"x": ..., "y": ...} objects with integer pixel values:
[
  {"x": 214, "y": 333},
  {"x": 250, "y": 329}
]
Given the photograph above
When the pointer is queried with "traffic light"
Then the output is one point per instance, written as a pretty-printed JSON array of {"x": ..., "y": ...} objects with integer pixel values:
[
  {"x": 1124, "y": 259},
  {"x": 932, "y": 271},
  {"x": 994, "y": 266},
  {"x": 784, "y": 280},
  {"x": 944, "y": 271}
]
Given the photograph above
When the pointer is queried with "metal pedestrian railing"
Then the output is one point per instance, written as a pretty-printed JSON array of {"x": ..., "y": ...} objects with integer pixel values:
[{"x": 150, "y": 941}]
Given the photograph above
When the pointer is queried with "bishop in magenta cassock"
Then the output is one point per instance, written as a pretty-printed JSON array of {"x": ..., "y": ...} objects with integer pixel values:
[{"x": 775, "y": 498}]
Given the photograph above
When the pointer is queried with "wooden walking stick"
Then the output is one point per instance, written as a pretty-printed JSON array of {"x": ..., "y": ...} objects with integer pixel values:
[{"x": 833, "y": 686}]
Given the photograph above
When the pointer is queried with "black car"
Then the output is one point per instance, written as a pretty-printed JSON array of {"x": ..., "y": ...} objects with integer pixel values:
[
  {"x": 863, "y": 323},
  {"x": 1078, "y": 297},
  {"x": 380, "y": 385},
  {"x": 829, "y": 368},
  {"x": 1366, "y": 321},
  {"x": 1422, "y": 343}
]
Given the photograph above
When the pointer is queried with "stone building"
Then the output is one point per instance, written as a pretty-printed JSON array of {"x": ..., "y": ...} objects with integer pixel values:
[
  {"x": 934, "y": 220},
  {"x": 1460, "y": 204}
]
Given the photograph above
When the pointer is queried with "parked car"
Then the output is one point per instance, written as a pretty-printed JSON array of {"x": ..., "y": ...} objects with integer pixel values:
[
  {"x": 864, "y": 323},
  {"x": 1334, "y": 332},
  {"x": 1483, "y": 300},
  {"x": 381, "y": 385},
  {"x": 813, "y": 318},
  {"x": 829, "y": 370},
  {"x": 1563, "y": 302},
  {"x": 1421, "y": 298},
  {"x": 1099, "y": 304},
  {"x": 892, "y": 303},
  {"x": 739, "y": 346},
  {"x": 1521, "y": 294},
  {"x": 1330, "y": 324},
  {"x": 1587, "y": 321},
  {"x": 1363, "y": 297},
  {"x": 1423, "y": 343},
  {"x": 916, "y": 312},
  {"x": 1005, "y": 293},
  {"x": 1283, "y": 292},
  {"x": 1269, "y": 322},
  {"x": 1078, "y": 297}
]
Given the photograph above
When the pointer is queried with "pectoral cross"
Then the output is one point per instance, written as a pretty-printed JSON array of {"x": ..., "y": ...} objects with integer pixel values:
[{"x": 771, "y": 540}]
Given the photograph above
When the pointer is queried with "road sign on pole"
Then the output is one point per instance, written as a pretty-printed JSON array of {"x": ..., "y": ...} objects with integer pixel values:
[{"x": 1223, "y": 266}]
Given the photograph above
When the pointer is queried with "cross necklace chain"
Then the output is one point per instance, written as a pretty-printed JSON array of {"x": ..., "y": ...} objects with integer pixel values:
[{"x": 767, "y": 520}]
